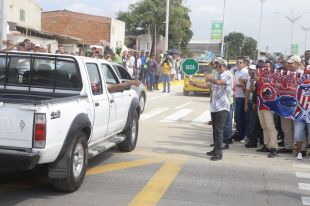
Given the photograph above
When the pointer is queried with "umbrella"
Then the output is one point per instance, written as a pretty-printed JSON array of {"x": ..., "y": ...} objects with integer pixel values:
[{"x": 174, "y": 51}]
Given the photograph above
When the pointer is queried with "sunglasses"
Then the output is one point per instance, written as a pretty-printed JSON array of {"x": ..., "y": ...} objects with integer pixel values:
[{"x": 239, "y": 62}]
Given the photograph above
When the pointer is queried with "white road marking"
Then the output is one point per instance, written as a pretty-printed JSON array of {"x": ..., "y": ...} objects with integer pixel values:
[
  {"x": 203, "y": 118},
  {"x": 153, "y": 113},
  {"x": 177, "y": 115},
  {"x": 158, "y": 97},
  {"x": 305, "y": 200},
  {"x": 183, "y": 105},
  {"x": 301, "y": 166},
  {"x": 304, "y": 186},
  {"x": 302, "y": 175}
]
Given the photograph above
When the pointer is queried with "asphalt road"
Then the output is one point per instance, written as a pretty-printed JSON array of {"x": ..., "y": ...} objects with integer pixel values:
[{"x": 169, "y": 168}]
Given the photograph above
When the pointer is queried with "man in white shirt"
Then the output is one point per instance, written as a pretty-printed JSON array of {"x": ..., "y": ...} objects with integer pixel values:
[{"x": 240, "y": 79}]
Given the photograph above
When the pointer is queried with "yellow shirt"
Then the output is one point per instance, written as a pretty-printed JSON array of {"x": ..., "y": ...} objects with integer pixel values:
[{"x": 166, "y": 68}]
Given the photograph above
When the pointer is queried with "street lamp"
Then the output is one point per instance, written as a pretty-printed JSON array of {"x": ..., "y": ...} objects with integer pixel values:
[
  {"x": 292, "y": 19},
  {"x": 306, "y": 29},
  {"x": 260, "y": 26},
  {"x": 222, "y": 45},
  {"x": 167, "y": 25}
]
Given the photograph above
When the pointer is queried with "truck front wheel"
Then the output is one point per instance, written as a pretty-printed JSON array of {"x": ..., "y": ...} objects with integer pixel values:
[
  {"x": 77, "y": 166},
  {"x": 131, "y": 135}
]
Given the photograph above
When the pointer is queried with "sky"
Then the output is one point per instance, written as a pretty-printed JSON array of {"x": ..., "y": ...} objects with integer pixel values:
[{"x": 240, "y": 16}]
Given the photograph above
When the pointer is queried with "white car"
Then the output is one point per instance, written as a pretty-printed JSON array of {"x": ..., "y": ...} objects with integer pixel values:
[{"x": 57, "y": 110}]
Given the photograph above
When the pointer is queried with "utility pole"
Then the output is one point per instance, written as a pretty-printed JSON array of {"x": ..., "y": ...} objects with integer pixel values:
[
  {"x": 306, "y": 29},
  {"x": 292, "y": 19},
  {"x": 167, "y": 25},
  {"x": 3, "y": 23},
  {"x": 223, "y": 20},
  {"x": 260, "y": 27}
]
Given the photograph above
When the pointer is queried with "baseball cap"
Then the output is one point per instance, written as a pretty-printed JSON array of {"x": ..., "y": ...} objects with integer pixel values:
[
  {"x": 222, "y": 61},
  {"x": 37, "y": 45},
  {"x": 252, "y": 67},
  {"x": 294, "y": 59}
]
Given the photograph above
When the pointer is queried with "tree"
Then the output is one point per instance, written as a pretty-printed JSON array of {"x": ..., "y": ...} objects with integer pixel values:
[
  {"x": 237, "y": 44},
  {"x": 149, "y": 15}
]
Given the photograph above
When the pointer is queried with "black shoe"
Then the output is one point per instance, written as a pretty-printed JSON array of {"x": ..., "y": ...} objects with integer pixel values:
[
  {"x": 226, "y": 146},
  {"x": 250, "y": 145},
  {"x": 210, "y": 153},
  {"x": 284, "y": 150},
  {"x": 211, "y": 145},
  {"x": 263, "y": 149},
  {"x": 281, "y": 144},
  {"x": 273, "y": 153},
  {"x": 216, "y": 157},
  {"x": 303, "y": 153}
]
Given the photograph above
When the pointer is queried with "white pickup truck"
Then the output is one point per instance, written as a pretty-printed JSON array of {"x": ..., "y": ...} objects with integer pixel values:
[{"x": 57, "y": 110}]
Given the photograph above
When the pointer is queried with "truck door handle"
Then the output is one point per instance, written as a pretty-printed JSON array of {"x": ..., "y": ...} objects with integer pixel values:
[
  {"x": 97, "y": 104},
  {"x": 112, "y": 101}
]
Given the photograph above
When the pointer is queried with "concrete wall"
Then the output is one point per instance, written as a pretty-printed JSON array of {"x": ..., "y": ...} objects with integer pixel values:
[
  {"x": 89, "y": 28},
  {"x": 117, "y": 33},
  {"x": 32, "y": 13}
]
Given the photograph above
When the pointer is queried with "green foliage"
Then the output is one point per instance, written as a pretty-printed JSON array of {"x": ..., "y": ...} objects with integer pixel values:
[
  {"x": 151, "y": 14},
  {"x": 240, "y": 45}
]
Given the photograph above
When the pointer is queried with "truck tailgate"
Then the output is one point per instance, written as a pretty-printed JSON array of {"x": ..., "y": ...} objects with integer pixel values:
[{"x": 16, "y": 127}]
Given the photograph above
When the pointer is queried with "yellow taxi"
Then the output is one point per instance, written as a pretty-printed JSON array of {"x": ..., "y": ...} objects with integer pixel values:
[{"x": 198, "y": 78}]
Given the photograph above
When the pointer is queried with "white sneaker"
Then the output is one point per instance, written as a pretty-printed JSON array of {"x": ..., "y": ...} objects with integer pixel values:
[{"x": 299, "y": 156}]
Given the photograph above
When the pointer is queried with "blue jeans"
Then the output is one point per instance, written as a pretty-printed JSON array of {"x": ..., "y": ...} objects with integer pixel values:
[
  {"x": 240, "y": 114},
  {"x": 299, "y": 130},
  {"x": 249, "y": 121},
  {"x": 228, "y": 126},
  {"x": 150, "y": 80},
  {"x": 166, "y": 80}
]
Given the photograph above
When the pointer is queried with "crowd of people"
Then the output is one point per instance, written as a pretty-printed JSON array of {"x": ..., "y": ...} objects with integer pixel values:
[
  {"x": 234, "y": 100},
  {"x": 141, "y": 65}
]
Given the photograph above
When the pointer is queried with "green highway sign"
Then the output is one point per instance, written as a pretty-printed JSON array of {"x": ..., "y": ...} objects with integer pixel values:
[
  {"x": 216, "y": 30},
  {"x": 190, "y": 66},
  {"x": 294, "y": 49}
]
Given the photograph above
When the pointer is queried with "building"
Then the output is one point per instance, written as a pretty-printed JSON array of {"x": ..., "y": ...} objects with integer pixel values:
[
  {"x": 21, "y": 21},
  {"x": 200, "y": 47},
  {"x": 90, "y": 29}
]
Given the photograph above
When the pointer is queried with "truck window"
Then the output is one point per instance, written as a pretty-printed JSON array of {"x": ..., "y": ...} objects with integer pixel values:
[
  {"x": 40, "y": 72},
  {"x": 94, "y": 77},
  {"x": 109, "y": 74},
  {"x": 123, "y": 73}
]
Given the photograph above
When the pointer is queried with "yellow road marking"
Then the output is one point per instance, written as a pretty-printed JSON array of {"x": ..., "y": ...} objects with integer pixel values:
[
  {"x": 153, "y": 191},
  {"x": 122, "y": 165}
]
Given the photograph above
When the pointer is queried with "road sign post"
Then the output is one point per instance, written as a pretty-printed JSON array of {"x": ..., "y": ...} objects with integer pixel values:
[{"x": 190, "y": 66}]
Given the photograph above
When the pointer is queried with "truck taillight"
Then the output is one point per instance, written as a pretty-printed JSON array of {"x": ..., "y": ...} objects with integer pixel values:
[{"x": 39, "y": 131}]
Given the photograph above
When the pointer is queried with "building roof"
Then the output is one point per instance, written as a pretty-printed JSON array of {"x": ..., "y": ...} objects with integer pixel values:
[{"x": 74, "y": 12}]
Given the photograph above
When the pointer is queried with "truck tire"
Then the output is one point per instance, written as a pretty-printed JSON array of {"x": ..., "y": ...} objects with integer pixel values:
[
  {"x": 131, "y": 135},
  {"x": 78, "y": 165}
]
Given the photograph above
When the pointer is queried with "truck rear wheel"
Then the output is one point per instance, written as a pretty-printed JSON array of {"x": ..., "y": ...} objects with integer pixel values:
[
  {"x": 77, "y": 165},
  {"x": 131, "y": 135}
]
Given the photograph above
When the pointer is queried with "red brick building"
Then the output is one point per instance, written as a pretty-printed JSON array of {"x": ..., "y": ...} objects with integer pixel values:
[{"x": 89, "y": 28}]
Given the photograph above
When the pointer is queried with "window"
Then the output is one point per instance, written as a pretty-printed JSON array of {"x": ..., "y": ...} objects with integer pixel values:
[
  {"x": 22, "y": 16},
  {"x": 43, "y": 74},
  {"x": 94, "y": 77},
  {"x": 123, "y": 73},
  {"x": 109, "y": 75}
]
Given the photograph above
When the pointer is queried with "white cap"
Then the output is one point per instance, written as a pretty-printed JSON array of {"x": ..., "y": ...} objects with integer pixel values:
[
  {"x": 37, "y": 45},
  {"x": 294, "y": 59},
  {"x": 252, "y": 66}
]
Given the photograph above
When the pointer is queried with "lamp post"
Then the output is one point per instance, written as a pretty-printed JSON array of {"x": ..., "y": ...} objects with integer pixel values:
[
  {"x": 306, "y": 29},
  {"x": 3, "y": 23},
  {"x": 260, "y": 26},
  {"x": 223, "y": 19},
  {"x": 167, "y": 25},
  {"x": 292, "y": 19}
]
